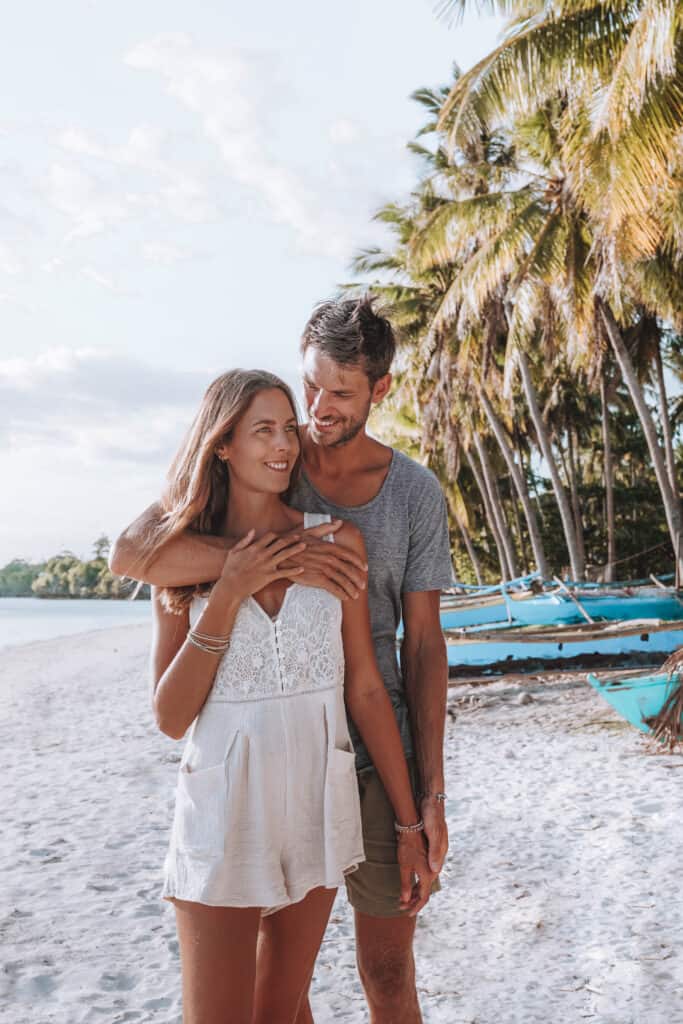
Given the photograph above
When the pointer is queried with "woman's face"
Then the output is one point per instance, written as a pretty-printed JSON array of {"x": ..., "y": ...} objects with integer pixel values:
[{"x": 265, "y": 444}]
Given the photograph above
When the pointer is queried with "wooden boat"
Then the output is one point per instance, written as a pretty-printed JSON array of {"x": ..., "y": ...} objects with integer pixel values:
[
  {"x": 527, "y": 648},
  {"x": 480, "y": 606},
  {"x": 638, "y": 699},
  {"x": 474, "y": 611},
  {"x": 611, "y": 606}
]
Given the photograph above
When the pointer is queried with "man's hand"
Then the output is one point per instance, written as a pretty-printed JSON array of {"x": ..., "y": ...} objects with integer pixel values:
[
  {"x": 332, "y": 567},
  {"x": 416, "y": 875},
  {"x": 436, "y": 831}
]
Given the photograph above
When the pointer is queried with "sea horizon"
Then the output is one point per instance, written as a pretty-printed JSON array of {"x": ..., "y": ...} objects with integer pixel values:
[{"x": 26, "y": 620}]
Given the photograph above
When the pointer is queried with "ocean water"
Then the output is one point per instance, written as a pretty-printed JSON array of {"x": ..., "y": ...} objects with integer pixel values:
[{"x": 26, "y": 619}]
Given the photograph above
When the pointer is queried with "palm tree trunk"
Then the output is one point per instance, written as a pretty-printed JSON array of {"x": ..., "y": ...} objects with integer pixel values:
[
  {"x": 666, "y": 422},
  {"x": 577, "y": 565},
  {"x": 520, "y": 487},
  {"x": 517, "y": 533},
  {"x": 496, "y": 505},
  {"x": 574, "y": 491},
  {"x": 469, "y": 547},
  {"x": 670, "y": 499},
  {"x": 490, "y": 518},
  {"x": 608, "y": 472}
]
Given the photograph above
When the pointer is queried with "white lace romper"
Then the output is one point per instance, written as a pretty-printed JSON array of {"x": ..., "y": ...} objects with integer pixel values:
[{"x": 267, "y": 802}]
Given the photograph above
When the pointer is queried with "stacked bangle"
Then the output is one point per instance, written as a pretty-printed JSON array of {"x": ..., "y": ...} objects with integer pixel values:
[
  {"x": 417, "y": 827},
  {"x": 210, "y": 644}
]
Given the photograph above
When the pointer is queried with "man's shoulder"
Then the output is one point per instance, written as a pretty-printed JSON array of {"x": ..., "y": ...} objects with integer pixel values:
[{"x": 412, "y": 474}]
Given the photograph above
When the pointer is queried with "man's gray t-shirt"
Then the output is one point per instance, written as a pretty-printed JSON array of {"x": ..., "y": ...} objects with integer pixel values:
[{"x": 405, "y": 529}]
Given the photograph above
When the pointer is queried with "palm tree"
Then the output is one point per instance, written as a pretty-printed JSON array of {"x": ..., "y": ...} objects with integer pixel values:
[
  {"x": 623, "y": 62},
  {"x": 513, "y": 241},
  {"x": 618, "y": 70}
]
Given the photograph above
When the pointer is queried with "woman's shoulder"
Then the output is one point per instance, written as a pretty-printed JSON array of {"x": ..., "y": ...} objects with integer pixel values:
[{"x": 350, "y": 536}]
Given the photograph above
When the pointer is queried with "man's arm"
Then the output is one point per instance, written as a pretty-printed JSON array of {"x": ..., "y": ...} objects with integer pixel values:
[
  {"x": 195, "y": 558},
  {"x": 186, "y": 560},
  {"x": 425, "y": 673}
]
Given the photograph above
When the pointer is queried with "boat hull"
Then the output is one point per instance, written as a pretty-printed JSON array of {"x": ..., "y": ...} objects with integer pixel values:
[
  {"x": 556, "y": 609},
  {"x": 637, "y": 698},
  {"x": 512, "y": 649}
]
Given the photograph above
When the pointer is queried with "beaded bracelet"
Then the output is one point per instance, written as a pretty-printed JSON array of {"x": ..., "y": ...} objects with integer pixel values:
[{"x": 400, "y": 829}]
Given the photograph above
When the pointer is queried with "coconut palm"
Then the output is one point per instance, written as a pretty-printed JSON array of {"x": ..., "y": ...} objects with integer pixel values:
[
  {"x": 621, "y": 64},
  {"x": 534, "y": 239}
]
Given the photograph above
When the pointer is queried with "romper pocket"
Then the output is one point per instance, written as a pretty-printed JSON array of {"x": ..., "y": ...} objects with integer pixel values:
[
  {"x": 199, "y": 825},
  {"x": 341, "y": 797}
]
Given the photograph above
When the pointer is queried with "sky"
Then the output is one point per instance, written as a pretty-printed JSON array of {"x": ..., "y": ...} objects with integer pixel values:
[{"x": 180, "y": 183}]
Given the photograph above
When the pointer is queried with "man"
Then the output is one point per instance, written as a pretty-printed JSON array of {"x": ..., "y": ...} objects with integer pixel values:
[{"x": 397, "y": 504}]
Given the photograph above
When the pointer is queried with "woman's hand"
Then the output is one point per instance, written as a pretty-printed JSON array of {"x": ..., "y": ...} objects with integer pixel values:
[
  {"x": 252, "y": 564},
  {"x": 416, "y": 875}
]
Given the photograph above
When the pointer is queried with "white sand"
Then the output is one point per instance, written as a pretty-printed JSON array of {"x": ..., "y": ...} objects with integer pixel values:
[{"x": 561, "y": 898}]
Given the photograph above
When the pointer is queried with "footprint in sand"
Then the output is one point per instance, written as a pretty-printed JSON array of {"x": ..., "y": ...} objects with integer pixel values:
[
  {"x": 149, "y": 910},
  {"x": 117, "y": 982},
  {"x": 161, "y": 1003},
  {"x": 40, "y": 985}
]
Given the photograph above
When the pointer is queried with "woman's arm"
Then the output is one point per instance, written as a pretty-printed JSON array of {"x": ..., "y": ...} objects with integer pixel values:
[
  {"x": 370, "y": 708},
  {"x": 183, "y": 674}
]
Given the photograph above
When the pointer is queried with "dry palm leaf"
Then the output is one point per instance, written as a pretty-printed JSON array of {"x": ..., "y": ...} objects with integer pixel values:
[{"x": 666, "y": 724}]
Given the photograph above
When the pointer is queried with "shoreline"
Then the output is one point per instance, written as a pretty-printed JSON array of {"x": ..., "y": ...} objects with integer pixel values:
[
  {"x": 556, "y": 903},
  {"x": 81, "y": 637}
]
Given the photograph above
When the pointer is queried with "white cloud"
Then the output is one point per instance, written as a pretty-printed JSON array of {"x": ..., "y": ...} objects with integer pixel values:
[
  {"x": 229, "y": 93},
  {"x": 343, "y": 132},
  {"x": 103, "y": 280},
  {"x": 175, "y": 191},
  {"x": 164, "y": 253},
  {"x": 10, "y": 263},
  {"x": 89, "y": 203},
  {"x": 104, "y": 406}
]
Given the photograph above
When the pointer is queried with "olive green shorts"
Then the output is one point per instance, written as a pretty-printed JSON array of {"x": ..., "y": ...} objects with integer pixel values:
[{"x": 374, "y": 888}]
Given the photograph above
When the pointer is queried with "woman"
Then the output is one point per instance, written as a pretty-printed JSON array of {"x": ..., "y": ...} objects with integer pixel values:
[{"x": 267, "y": 819}]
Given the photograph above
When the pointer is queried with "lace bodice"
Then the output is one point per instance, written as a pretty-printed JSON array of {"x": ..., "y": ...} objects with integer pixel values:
[{"x": 298, "y": 651}]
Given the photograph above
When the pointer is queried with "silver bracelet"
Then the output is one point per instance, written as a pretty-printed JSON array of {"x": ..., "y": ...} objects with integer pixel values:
[
  {"x": 210, "y": 644},
  {"x": 417, "y": 827},
  {"x": 439, "y": 797}
]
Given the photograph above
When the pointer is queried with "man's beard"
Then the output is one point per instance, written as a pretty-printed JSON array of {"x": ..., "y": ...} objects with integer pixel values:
[{"x": 351, "y": 429}]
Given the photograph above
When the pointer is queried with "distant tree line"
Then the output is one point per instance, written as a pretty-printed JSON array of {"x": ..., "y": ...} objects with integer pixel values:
[{"x": 65, "y": 575}]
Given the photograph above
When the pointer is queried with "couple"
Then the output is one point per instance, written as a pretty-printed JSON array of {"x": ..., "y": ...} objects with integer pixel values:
[{"x": 266, "y": 628}]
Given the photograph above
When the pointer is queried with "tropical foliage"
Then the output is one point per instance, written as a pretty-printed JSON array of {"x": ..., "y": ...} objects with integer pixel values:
[
  {"x": 65, "y": 575},
  {"x": 536, "y": 273}
]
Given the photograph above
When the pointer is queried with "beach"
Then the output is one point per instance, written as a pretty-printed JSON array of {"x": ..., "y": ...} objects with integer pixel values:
[{"x": 561, "y": 894}]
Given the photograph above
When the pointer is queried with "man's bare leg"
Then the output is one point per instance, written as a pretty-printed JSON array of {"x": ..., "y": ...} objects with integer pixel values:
[{"x": 384, "y": 953}]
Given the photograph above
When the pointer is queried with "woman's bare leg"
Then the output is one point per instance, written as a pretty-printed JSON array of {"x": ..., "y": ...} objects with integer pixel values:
[
  {"x": 218, "y": 958},
  {"x": 288, "y": 945}
]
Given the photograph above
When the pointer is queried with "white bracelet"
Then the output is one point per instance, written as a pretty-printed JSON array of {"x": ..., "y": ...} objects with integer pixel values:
[{"x": 417, "y": 827}]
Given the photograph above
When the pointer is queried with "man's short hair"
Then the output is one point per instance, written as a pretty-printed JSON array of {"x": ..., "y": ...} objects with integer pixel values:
[{"x": 350, "y": 332}]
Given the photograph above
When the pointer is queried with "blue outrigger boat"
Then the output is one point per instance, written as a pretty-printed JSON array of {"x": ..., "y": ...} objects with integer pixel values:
[
  {"x": 494, "y": 651},
  {"x": 561, "y": 607},
  {"x": 641, "y": 699}
]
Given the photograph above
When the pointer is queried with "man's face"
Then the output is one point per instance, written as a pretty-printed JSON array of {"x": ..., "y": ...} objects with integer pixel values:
[{"x": 338, "y": 398}]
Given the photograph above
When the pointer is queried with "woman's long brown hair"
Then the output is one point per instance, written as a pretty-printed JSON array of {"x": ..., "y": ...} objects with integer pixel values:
[{"x": 198, "y": 484}]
